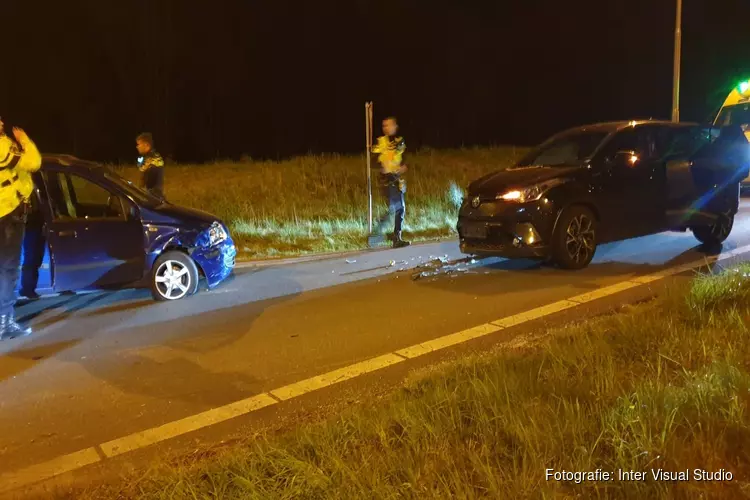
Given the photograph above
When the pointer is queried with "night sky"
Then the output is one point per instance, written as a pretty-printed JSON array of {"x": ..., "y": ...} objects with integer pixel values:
[{"x": 279, "y": 78}]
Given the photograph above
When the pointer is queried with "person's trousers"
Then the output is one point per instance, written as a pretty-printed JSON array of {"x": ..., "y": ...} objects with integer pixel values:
[
  {"x": 396, "y": 208},
  {"x": 33, "y": 256},
  {"x": 11, "y": 239}
]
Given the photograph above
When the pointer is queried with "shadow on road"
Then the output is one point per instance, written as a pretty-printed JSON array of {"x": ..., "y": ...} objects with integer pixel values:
[
  {"x": 172, "y": 351},
  {"x": 15, "y": 362},
  {"x": 160, "y": 349}
]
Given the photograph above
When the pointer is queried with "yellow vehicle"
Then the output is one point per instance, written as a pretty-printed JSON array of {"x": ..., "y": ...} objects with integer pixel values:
[{"x": 736, "y": 111}]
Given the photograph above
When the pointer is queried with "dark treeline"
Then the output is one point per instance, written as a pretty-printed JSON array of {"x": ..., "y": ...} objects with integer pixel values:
[{"x": 278, "y": 78}]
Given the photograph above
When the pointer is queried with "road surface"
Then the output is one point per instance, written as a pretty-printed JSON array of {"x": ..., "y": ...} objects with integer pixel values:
[{"x": 105, "y": 365}]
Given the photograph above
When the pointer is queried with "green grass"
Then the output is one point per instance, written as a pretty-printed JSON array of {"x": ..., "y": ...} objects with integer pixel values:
[
  {"x": 317, "y": 204},
  {"x": 664, "y": 384}
]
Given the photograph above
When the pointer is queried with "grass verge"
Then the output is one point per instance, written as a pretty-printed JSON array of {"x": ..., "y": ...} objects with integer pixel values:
[
  {"x": 316, "y": 204},
  {"x": 665, "y": 385}
]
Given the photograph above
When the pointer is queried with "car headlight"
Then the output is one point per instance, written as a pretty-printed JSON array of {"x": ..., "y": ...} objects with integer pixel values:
[
  {"x": 216, "y": 234},
  {"x": 528, "y": 194}
]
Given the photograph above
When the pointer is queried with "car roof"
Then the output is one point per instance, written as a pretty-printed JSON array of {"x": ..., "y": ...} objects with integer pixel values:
[
  {"x": 70, "y": 161},
  {"x": 619, "y": 125}
]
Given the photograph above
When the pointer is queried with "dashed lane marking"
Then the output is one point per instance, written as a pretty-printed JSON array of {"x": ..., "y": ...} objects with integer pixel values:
[{"x": 77, "y": 460}]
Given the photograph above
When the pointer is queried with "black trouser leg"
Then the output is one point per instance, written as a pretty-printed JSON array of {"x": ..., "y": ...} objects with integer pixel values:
[
  {"x": 11, "y": 239},
  {"x": 33, "y": 255}
]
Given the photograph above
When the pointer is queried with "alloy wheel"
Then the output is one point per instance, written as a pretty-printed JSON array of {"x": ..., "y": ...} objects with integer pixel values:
[
  {"x": 580, "y": 239},
  {"x": 172, "y": 280},
  {"x": 721, "y": 229}
]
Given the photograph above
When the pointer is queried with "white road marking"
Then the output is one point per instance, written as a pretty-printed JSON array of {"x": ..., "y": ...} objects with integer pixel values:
[
  {"x": 185, "y": 425},
  {"x": 447, "y": 341},
  {"x": 336, "y": 376},
  {"x": 67, "y": 463}
]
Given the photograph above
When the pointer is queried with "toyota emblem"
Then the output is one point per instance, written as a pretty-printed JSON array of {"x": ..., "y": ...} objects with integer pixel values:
[{"x": 476, "y": 202}]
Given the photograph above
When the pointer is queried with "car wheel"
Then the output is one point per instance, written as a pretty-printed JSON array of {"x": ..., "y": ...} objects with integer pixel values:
[
  {"x": 574, "y": 240},
  {"x": 174, "y": 276},
  {"x": 715, "y": 234}
]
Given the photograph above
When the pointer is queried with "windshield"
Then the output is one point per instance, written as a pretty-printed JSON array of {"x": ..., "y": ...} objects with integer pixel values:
[
  {"x": 739, "y": 114},
  {"x": 566, "y": 150},
  {"x": 139, "y": 195}
]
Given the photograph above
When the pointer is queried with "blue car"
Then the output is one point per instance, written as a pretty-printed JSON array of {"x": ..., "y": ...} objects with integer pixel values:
[{"x": 91, "y": 229}]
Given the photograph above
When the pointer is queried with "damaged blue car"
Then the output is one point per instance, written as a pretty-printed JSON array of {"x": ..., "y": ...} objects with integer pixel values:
[{"x": 90, "y": 229}]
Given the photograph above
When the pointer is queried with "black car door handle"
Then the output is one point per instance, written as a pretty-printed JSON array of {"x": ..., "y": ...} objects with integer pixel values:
[{"x": 64, "y": 234}]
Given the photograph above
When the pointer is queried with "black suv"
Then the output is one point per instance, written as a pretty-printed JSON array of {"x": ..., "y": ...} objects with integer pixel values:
[{"x": 607, "y": 182}]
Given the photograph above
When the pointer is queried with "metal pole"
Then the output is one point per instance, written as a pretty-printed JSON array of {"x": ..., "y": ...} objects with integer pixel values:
[
  {"x": 368, "y": 145},
  {"x": 677, "y": 57}
]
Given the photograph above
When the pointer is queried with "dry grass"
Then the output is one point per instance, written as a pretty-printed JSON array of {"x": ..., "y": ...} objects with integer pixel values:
[
  {"x": 319, "y": 203},
  {"x": 665, "y": 385}
]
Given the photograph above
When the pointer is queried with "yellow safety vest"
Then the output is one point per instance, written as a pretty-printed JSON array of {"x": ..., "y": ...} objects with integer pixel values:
[
  {"x": 391, "y": 152},
  {"x": 16, "y": 167}
]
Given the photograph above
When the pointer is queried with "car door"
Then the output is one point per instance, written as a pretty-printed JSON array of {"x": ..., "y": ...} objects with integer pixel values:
[
  {"x": 95, "y": 239},
  {"x": 634, "y": 182},
  {"x": 682, "y": 192}
]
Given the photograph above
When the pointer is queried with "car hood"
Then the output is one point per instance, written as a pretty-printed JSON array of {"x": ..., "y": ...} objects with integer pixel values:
[
  {"x": 518, "y": 177},
  {"x": 173, "y": 214}
]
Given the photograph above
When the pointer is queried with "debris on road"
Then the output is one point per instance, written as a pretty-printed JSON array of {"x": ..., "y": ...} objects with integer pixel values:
[
  {"x": 351, "y": 261},
  {"x": 438, "y": 266}
]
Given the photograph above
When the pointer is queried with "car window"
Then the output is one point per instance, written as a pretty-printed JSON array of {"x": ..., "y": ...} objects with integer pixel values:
[
  {"x": 682, "y": 142},
  {"x": 59, "y": 196},
  {"x": 739, "y": 114},
  {"x": 640, "y": 140},
  {"x": 74, "y": 197},
  {"x": 565, "y": 150}
]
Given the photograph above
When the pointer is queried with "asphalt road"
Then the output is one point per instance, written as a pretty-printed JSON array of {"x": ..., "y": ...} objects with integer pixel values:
[{"x": 105, "y": 365}]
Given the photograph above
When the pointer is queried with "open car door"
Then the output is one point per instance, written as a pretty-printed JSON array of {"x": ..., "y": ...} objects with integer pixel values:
[{"x": 95, "y": 235}]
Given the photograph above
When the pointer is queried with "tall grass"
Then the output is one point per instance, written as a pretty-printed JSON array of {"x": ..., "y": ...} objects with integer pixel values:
[
  {"x": 663, "y": 386},
  {"x": 319, "y": 203}
]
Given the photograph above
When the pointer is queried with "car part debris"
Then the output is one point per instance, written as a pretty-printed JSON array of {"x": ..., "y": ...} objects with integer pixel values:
[{"x": 442, "y": 266}]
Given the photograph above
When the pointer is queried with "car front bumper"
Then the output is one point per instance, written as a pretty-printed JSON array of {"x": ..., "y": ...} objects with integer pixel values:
[
  {"x": 217, "y": 261},
  {"x": 509, "y": 230}
]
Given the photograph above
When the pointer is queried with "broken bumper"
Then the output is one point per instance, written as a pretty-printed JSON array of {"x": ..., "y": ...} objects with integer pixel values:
[
  {"x": 217, "y": 261},
  {"x": 505, "y": 230}
]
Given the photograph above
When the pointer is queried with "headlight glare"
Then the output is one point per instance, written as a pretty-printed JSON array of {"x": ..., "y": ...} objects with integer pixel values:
[{"x": 527, "y": 194}]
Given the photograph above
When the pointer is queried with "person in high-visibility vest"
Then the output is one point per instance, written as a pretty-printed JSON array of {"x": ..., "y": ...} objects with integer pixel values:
[
  {"x": 151, "y": 165},
  {"x": 16, "y": 186},
  {"x": 390, "y": 149}
]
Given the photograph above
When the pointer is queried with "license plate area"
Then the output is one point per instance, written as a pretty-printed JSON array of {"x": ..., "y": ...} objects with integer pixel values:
[{"x": 475, "y": 231}]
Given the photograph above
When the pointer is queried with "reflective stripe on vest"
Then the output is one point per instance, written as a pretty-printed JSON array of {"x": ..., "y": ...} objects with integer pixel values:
[
  {"x": 11, "y": 164},
  {"x": 10, "y": 181}
]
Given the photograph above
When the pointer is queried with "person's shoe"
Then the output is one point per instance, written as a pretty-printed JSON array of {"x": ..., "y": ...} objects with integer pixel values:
[
  {"x": 9, "y": 329},
  {"x": 32, "y": 295},
  {"x": 399, "y": 243}
]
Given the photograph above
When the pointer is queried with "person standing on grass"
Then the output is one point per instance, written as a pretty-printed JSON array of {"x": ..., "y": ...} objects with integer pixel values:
[
  {"x": 18, "y": 160},
  {"x": 151, "y": 165},
  {"x": 390, "y": 149}
]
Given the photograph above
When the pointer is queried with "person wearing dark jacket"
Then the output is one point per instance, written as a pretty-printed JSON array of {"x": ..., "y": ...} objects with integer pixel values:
[{"x": 151, "y": 165}]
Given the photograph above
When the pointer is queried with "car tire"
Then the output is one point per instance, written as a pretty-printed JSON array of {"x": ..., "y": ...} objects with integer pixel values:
[
  {"x": 177, "y": 269},
  {"x": 573, "y": 242},
  {"x": 715, "y": 234}
]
